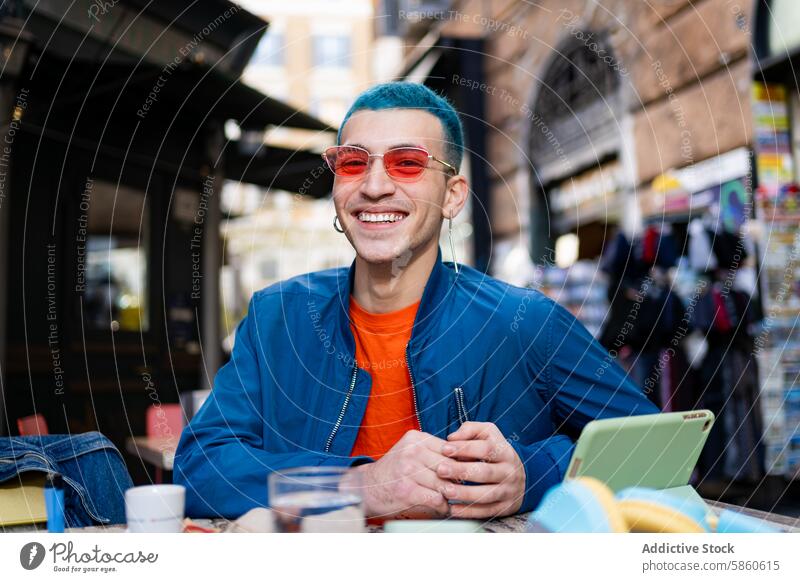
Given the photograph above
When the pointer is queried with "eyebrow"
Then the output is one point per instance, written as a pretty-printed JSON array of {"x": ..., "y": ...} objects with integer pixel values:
[{"x": 398, "y": 145}]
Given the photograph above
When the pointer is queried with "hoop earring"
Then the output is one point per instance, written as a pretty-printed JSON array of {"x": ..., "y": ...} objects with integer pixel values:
[
  {"x": 452, "y": 246},
  {"x": 336, "y": 225}
]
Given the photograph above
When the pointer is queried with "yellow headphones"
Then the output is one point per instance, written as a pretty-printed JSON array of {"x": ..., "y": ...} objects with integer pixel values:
[{"x": 586, "y": 505}]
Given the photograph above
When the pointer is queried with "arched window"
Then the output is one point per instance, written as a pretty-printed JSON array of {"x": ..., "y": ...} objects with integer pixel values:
[
  {"x": 575, "y": 107},
  {"x": 573, "y": 128}
]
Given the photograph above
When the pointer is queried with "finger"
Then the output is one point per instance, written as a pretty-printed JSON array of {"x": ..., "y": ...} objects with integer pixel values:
[
  {"x": 419, "y": 467},
  {"x": 474, "y": 450},
  {"x": 418, "y": 512},
  {"x": 415, "y": 450},
  {"x": 475, "y": 472},
  {"x": 418, "y": 439},
  {"x": 427, "y": 508},
  {"x": 481, "y": 494},
  {"x": 473, "y": 430},
  {"x": 422, "y": 497},
  {"x": 480, "y": 510},
  {"x": 430, "y": 480},
  {"x": 432, "y": 443},
  {"x": 430, "y": 459}
]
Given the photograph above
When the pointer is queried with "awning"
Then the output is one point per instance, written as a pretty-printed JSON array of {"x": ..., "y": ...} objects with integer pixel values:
[
  {"x": 193, "y": 97},
  {"x": 192, "y": 89},
  {"x": 422, "y": 69},
  {"x": 226, "y": 98},
  {"x": 778, "y": 68},
  {"x": 422, "y": 58},
  {"x": 217, "y": 31},
  {"x": 281, "y": 168},
  {"x": 163, "y": 51}
]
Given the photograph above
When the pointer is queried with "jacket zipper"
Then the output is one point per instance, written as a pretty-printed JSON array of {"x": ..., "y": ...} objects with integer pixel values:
[
  {"x": 344, "y": 408},
  {"x": 460, "y": 406},
  {"x": 413, "y": 388}
]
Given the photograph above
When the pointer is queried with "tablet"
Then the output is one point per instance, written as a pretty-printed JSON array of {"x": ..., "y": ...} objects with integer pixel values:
[{"x": 652, "y": 450}]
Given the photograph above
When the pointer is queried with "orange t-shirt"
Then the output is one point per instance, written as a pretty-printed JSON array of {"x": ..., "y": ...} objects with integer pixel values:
[{"x": 381, "y": 340}]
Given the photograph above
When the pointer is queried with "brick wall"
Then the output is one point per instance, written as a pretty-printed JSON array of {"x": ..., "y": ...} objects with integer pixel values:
[{"x": 684, "y": 71}]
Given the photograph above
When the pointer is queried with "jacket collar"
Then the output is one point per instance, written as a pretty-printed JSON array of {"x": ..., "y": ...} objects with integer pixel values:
[{"x": 439, "y": 285}]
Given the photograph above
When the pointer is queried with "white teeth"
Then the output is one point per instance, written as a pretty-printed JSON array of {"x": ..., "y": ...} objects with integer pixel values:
[{"x": 370, "y": 217}]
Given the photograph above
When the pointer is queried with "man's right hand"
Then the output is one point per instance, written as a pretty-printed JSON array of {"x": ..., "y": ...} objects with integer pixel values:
[{"x": 403, "y": 483}]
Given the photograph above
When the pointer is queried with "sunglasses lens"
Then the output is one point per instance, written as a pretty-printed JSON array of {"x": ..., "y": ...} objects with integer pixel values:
[
  {"x": 405, "y": 163},
  {"x": 346, "y": 161},
  {"x": 400, "y": 163}
]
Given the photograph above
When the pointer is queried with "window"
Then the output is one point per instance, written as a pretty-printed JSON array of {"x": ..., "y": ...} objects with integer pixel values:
[
  {"x": 575, "y": 106},
  {"x": 115, "y": 270},
  {"x": 574, "y": 126},
  {"x": 269, "y": 269},
  {"x": 577, "y": 78},
  {"x": 271, "y": 50},
  {"x": 331, "y": 51},
  {"x": 330, "y": 109},
  {"x": 784, "y": 34}
]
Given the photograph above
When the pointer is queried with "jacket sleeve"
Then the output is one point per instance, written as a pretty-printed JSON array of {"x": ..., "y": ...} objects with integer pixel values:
[
  {"x": 584, "y": 383},
  {"x": 222, "y": 458}
]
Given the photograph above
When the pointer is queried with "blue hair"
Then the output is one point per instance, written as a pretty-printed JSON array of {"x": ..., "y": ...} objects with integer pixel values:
[{"x": 405, "y": 95}]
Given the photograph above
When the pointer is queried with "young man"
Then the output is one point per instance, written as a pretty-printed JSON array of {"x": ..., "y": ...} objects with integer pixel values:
[{"x": 435, "y": 381}]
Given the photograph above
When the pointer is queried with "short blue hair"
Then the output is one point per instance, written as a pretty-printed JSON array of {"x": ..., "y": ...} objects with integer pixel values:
[{"x": 405, "y": 95}]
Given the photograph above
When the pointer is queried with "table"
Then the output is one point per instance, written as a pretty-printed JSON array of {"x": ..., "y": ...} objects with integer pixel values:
[
  {"x": 511, "y": 524},
  {"x": 158, "y": 451},
  {"x": 514, "y": 523}
]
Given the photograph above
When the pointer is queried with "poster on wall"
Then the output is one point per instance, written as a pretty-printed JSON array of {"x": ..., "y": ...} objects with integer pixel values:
[
  {"x": 777, "y": 210},
  {"x": 772, "y": 141}
]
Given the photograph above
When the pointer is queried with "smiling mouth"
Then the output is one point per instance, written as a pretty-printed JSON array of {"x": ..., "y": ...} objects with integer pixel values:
[{"x": 380, "y": 217}]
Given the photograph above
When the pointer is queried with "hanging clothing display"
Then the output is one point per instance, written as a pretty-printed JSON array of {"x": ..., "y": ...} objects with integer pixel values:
[
  {"x": 644, "y": 312},
  {"x": 648, "y": 317},
  {"x": 730, "y": 387}
]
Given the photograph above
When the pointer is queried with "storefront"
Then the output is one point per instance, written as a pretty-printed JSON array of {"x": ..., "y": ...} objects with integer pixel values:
[
  {"x": 698, "y": 351},
  {"x": 580, "y": 176},
  {"x": 111, "y": 177},
  {"x": 443, "y": 62},
  {"x": 776, "y": 126},
  {"x": 585, "y": 212}
]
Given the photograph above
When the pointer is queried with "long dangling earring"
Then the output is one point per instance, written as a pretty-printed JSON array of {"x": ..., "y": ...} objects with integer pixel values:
[
  {"x": 452, "y": 246},
  {"x": 336, "y": 226}
]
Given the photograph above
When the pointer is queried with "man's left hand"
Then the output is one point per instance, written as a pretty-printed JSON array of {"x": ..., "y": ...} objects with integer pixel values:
[{"x": 479, "y": 453}]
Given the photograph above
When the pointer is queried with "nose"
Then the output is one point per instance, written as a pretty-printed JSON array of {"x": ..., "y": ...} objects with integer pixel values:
[{"x": 377, "y": 182}]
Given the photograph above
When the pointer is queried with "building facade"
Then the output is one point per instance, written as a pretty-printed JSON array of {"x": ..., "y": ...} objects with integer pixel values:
[{"x": 665, "y": 124}]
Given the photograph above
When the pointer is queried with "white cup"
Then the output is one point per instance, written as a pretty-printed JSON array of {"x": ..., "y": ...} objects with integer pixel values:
[{"x": 155, "y": 508}]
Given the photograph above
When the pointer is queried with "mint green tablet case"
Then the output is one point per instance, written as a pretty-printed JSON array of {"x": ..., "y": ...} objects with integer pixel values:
[{"x": 653, "y": 450}]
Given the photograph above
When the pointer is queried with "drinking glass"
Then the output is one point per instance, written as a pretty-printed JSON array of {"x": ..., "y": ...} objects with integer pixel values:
[{"x": 317, "y": 499}]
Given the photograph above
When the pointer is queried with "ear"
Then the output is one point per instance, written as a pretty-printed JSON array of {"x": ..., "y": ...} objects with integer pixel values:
[{"x": 455, "y": 196}]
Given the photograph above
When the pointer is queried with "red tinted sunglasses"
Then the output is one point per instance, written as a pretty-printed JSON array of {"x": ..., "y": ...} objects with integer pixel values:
[{"x": 404, "y": 163}]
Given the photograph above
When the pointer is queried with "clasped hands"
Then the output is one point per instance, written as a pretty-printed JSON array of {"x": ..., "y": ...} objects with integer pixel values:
[{"x": 421, "y": 475}]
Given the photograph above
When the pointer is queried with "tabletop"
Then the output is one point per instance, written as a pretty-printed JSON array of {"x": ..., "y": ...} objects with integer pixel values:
[{"x": 511, "y": 524}]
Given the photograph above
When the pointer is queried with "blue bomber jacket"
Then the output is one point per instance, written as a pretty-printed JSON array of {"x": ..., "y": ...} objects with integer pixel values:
[{"x": 481, "y": 350}]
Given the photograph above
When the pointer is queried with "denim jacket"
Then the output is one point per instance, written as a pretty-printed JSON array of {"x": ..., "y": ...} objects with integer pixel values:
[{"x": 94, "y": 473}]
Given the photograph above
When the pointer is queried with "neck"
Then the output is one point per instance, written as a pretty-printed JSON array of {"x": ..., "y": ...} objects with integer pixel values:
[{"x": 386, "y": 287}]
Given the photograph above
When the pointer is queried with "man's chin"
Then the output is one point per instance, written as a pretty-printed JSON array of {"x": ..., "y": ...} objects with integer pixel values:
[
  {"x": 378, "y": 259},
  {"x": 378, "y": 256}
]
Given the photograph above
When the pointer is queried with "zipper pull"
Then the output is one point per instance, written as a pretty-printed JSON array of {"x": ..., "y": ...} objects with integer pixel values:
[{"x": 461, "y": 408}]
